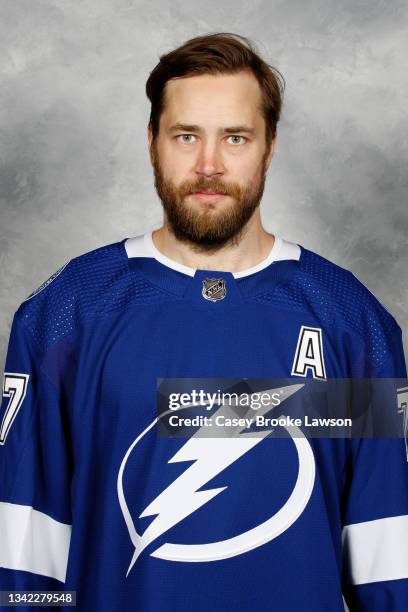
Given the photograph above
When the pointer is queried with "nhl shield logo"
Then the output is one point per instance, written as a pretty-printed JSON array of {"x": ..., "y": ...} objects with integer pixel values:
[{"x": 214, "y": 289}]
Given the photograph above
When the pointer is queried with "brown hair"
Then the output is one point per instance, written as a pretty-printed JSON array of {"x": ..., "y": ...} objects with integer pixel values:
[{"x": 216, "y": 53}]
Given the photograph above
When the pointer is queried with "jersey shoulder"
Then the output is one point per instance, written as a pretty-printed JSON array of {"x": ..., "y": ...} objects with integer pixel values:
[
  {"x": 342, "y": 302},
  {"x": 337, "y": 289},
  {"x": 80, "y": 288}
]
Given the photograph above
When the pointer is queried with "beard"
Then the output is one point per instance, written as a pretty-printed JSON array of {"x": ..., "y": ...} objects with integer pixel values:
[{"x": 207, "y": 228}]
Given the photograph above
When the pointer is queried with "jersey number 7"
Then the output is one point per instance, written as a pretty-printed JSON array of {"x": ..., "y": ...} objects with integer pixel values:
[{"x": 14, "y": 387}]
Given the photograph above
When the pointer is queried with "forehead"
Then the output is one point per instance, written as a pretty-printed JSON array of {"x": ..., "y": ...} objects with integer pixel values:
[{"x": 205, "y": 98}]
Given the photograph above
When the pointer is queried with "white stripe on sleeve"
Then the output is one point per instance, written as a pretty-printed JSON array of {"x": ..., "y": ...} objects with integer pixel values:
[
  {"x": 33, "y": 541},
  {"x": 377, "y": 550}
]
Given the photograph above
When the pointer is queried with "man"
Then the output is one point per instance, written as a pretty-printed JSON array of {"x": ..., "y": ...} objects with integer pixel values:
[{"x": 95, "y": 498}]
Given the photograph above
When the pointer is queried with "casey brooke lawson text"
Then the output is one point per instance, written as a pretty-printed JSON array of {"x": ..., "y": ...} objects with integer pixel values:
[{"x": 258, "y": 421}]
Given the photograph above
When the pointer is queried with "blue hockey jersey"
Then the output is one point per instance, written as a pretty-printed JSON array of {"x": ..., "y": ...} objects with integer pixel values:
[{"x": 92, "y": 500}]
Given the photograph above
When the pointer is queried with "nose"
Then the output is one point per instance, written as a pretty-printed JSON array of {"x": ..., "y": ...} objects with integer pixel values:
[{"x": 209, "y": 161}]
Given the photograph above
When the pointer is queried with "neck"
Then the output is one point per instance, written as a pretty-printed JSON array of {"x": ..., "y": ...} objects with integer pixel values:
[{"x": 253, "y": 247}]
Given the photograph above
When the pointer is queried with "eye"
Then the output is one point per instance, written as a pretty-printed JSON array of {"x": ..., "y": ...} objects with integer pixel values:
[
  {"x": 237, "y": 136},
  {"x": 183, "y": 136}
]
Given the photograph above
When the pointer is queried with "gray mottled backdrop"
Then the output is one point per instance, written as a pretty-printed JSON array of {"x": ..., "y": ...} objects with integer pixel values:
[{"x": 73, "y": 157}]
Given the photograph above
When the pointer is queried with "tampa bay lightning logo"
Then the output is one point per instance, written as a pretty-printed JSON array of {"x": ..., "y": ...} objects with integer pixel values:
[{"x": 184, "y": 495}]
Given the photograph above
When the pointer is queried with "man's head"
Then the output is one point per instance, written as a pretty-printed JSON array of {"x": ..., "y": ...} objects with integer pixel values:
[{"x": 215, "y": 107}]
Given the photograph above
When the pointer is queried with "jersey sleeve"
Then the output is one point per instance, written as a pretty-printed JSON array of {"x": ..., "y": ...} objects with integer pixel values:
[
  {"x": 375, "y": 527},
  {"x": 35, "y": 472}
]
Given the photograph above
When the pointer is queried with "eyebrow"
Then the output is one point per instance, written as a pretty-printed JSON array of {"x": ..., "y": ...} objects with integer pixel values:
[{"x": 185, "y": 127}]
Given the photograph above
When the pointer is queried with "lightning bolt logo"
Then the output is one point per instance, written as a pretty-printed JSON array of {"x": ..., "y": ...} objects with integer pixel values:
[{"x": 211, "y": 456}]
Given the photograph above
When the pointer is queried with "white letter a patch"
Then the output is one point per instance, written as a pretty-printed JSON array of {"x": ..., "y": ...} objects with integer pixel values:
[{"x": 309, "y": 353}]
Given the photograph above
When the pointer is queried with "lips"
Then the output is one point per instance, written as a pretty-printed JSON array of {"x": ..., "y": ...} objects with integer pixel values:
[{"x": 209, "y": 192}]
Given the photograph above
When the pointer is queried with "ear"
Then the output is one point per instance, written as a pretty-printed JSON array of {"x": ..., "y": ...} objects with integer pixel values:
[
  {"x": 271, "y": 152},
  {"x": 150, "y": 139}
]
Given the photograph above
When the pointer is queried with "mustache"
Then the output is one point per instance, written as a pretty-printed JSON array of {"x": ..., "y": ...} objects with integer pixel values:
[{"x": 215, "y": 186}]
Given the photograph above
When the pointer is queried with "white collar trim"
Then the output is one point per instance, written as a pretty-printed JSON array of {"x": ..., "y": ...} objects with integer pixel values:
[{"x": 143, "y": 246}]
